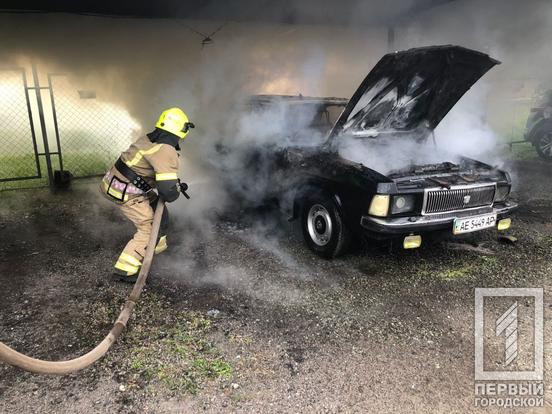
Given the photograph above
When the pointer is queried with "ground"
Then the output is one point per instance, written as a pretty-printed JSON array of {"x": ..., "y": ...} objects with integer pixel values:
[{"x": 244, "y": 318}]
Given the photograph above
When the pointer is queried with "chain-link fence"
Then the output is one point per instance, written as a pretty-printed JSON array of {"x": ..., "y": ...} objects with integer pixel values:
[
  {"x": 44, "y": 129},
  {"x": 18, "y": 151},
  {"x": 92, "y": 133}
]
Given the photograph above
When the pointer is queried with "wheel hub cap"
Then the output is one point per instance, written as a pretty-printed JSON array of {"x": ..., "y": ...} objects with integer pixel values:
[
  {"x": 319, "y": 225},
  {"x": 546, "y": 144}
]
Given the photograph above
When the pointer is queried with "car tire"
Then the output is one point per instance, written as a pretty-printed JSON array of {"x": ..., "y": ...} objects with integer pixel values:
[
  {"x": 323, "y": 228},
  {"x": 543, "y": 145}
]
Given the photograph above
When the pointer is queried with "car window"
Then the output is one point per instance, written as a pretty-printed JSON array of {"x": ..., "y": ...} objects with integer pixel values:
[
  {"x": 295, "y": 121},
  {"x": 334, "y": 111}
]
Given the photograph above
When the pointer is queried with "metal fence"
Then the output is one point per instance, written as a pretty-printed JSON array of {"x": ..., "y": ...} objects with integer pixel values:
[
  {"x": 51, "y": 130},
  {"x": 91, "y": 133},
  {"x": 19, "y": 153}
]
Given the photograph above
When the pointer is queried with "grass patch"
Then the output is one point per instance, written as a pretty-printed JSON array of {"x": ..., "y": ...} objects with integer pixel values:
[
  {"x": 18, "y": 166},
  {"x": 83, "y": 164},
  {"x": 457, "y": 272},
  {"x": 80, "y": 164},
  {"x": 213, "y": 368},
  {"x": 457, "y": 269},
  {"x": 164, "y": 351},
  {"x": 523, "y": 151},
  {"x": 22, "y": 166}
]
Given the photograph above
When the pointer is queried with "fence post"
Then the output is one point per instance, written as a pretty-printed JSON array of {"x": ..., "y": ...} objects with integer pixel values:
[
  {"x": 38, "y": 91},
  {"x": 54, "y": 115}
]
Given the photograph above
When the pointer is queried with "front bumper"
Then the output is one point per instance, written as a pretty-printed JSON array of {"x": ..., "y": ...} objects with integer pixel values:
[{"x": 422, "y": 224}]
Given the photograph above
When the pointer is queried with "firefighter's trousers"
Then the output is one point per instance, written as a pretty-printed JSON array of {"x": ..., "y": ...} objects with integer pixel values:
[{"x": 140, "y": 211}]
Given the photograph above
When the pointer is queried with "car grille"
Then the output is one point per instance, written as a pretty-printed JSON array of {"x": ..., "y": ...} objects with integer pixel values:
[{"x": 443, "y": 200}]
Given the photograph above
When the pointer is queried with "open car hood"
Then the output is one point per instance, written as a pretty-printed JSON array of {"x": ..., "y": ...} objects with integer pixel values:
[{"x": 411, "y": 90}]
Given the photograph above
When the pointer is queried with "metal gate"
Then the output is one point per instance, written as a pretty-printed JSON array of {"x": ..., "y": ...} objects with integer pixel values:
[
  {"x": 47, "y": 132},
  {"x": 91, "y": 133},
  {"x": 19, "y": 159}
]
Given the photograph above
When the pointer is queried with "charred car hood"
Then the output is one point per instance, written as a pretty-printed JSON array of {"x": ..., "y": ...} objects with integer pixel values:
[{"x": 411, "y": 90}]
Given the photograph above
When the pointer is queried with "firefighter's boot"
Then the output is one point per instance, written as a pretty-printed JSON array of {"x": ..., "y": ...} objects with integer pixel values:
[{"x": 127, "y": 268}]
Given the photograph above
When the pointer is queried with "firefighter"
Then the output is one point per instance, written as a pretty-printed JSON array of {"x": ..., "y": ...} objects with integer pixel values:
[{"x": 150, "y": 162}]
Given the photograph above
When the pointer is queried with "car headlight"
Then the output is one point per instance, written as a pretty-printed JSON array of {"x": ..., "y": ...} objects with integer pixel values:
[
  {"x": 379, "y": 206},
  {"x": 501, "y": 193},
  {"x": 402, "y": 204}
]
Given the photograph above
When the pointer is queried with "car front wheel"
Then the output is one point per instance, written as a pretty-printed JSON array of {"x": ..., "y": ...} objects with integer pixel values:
[
  {"x": 543, "y": 146},
  {"x": 323, "y": 227}
]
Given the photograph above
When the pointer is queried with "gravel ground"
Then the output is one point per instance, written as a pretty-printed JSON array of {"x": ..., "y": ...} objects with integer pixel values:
[{"x": 243, "y": 318}]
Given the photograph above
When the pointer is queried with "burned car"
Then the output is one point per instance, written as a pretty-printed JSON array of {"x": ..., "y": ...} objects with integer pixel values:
[{"x": 399, "y": 104}]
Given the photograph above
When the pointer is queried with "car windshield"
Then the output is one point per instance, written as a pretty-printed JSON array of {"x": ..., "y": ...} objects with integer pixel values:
[
  {"x": 297, "y": 120},
  {"x": 322, "y": 117}
]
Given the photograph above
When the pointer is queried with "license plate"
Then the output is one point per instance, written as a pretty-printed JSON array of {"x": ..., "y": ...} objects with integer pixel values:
[{"x": 467, "y": 225}]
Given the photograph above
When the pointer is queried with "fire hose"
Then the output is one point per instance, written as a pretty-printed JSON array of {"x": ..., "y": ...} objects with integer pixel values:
[{"x": 38, "y": 366}]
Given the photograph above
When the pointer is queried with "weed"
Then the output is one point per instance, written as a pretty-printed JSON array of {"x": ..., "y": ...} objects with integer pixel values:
[{"x": 168, "y": 348}]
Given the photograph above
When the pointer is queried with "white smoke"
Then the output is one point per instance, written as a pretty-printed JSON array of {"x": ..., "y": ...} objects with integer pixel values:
[
  {"x": 466, "y": 131},
  {"x": 463, "y": 132}
]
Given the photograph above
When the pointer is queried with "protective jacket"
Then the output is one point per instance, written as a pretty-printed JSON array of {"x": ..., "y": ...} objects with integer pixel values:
[{"x": 154, "y": 158}]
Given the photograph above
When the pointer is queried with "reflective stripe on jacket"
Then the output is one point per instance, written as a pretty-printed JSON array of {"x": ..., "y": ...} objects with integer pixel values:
[{"x": 157, "y": 163}]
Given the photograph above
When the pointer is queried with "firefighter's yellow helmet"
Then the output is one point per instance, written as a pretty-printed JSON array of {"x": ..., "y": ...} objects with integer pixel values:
[{"x": 175, "y": 121}]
